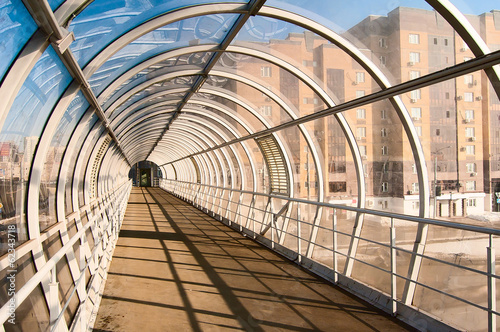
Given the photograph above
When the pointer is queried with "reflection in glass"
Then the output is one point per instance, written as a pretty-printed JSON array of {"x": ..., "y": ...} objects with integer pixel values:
[
  {"x": 47, "y": 209},
  {"x": 19, "y": 138}
]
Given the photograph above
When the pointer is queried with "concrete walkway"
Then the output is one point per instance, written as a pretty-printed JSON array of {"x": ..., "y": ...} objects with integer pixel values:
[{"x": 177, "y": 269}]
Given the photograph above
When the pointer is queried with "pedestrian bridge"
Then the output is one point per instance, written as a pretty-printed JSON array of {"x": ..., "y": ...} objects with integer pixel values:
[{"x": 249, "y": 164}]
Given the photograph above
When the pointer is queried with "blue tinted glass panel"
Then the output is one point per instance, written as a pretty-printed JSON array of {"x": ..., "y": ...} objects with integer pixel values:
[
  {"x": 54, "y": 157},
  {"x": 55, "y": 3},
  {"x": 16, "y": 27},
  {"x": 22, "y": 129},
  {"x": 210, "y": 29},
  {"x": 159, "y": 68},
  {"x": 103, "y": 21}
]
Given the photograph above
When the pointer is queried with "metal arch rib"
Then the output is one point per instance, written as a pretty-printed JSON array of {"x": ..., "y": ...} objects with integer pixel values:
[{"x": 252, "y": 7}]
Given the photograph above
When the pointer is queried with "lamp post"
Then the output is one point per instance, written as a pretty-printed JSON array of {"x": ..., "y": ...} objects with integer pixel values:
[{"x": 435, "y": 177}]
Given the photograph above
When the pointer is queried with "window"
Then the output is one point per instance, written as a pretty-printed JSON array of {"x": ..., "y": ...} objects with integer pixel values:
[
  {"x": 415, "y": 94},
  {"x": 469, "y": 96},
  {"x": 385, "y": 150},
  {"x": 438, "y": 132},
  {"x": 385, "y": 167},
  {"x": 414, "y": 57},
  {"x": 383, "y": 114},
  {"x": 360, "y": 113},
  {"x": 414, "y": 38},
  {"x": 414, "y": 187},
  {"x": 337, "y": 186},
  {"x": 435, "y": 41},
  {"x": 414, "y": 168},
  {"x": 382, "y": 60},
  {"x": 448, "y": 114},
  {"x": 445, "y": 42},
  {"x": 315, "y": 101},
  {"x": 361, "y": 132},
  {"x": 382, "y": 42},
  {"x": 469, "y": 114},
  {"x": 471, "y": 167},
  {"x": 360, "y": 77},
  {"x": 465, "y": 47},
  {"x": 362, "y": 150},
  {"x": 385, "y": 187},
  {"x": 360, "y": 93},
  {"x": 415, "y": 205},
  {"x": 447, "y": 95},
  {"x": 470, "y": 185},
  {"x": 265, "y": 71},
  {"x": 470, "y": 149},
  {"x": 416, "y": 112},
  {"x": 383, "y": 132},
  {"x": 304, "y": 100},
  {"x": 469, "y": 79},
  {"x": 471, "y": 202},
  {"x": 419, "y": 130},
  {"x": 266, "y": 110},
  {"x": 414, "y": 74},
  {"x": 470, "y": 132}
]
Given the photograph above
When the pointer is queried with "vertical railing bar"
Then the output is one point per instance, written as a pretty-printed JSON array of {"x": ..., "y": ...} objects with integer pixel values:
[
  {"x": 492, "y": 319},
  {"x": 393, "y": 268},
  {"x": 335, "y": 245}
]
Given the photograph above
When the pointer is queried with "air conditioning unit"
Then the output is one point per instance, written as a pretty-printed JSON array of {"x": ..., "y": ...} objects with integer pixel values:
[
  {"x": 463, "y": 49},
  {"x": 411, "y": 63},
  {"x": 479, "y": 98},
  {"x": 466, "y": 120},
  {"x": 472, "y": 139},
  {"x": 473, "y": 174},
  {"x": 363, "y": 157},
  {"x": 460, "y": 97},
  {"x": 413, "y": 100},
  {"x": 369, "y": 203},
  {"x": 415, "y": 118},
  {"x": 411, "y": 192},
  {"x": 366, "y": 175},
  {"x": 359, "y": 138},
  {"x": 355, "y": 83}
]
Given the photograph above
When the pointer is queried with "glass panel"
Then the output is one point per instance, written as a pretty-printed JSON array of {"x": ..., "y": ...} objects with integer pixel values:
[
  {"x": 73, "y": 159},
  {"x": 103, "y": 21},
  {"x": 154, "y": 93},
  {"x": 267, "y": 109},
  {"x": 210, "y": 29},
  {"x": 401, "y": 41},
  {"x": 16, "y": 26},
  {"x": 188, "y": 60},
  {"x": 47, "y": 211},
  {"x": 38, "y": 95}
]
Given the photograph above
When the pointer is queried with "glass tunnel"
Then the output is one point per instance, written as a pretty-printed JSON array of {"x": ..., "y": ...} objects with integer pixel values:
[{"x": 359, "y": 139}]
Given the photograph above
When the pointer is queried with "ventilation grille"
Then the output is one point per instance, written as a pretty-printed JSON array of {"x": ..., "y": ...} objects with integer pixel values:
[
  {"x": 278, "y": 174},
  {"x": 96, "y": 165},
  {"x": 198, "y": 177}
]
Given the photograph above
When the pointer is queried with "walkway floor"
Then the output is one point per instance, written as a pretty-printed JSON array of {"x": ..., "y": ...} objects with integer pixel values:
[{"x": 176, "y": 269}]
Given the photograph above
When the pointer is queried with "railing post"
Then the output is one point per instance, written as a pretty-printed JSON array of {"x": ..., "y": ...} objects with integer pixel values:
[
  {"x": 299, "y": 242},
  {"x": 53, "y": 299},
  {"x": 335, "y": 247},
  {"x": 83, "y": 302},
  {"x": 492, "y": 305},
  {"x": 393, "y": 268}
]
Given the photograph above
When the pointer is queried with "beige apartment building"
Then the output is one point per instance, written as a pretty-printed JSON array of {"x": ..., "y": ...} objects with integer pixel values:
[{"x": 457, "y": 121}]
